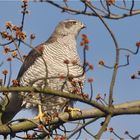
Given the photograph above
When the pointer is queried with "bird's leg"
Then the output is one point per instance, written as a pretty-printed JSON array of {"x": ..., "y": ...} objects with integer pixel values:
[{"x": 41, "y": 114}]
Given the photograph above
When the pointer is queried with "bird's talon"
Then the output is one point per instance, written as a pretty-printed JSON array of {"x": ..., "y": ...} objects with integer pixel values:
[
  {"x": 72, "y": 110},
  {"x": 40, "y": 116}
]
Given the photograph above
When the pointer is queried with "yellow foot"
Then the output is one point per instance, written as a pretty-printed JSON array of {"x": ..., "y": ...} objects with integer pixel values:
[
  {"x": 72, "y": 110},
  {"x": 40, "y": 116}
]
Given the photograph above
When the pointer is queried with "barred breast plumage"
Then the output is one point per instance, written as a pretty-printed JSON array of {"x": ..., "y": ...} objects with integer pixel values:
[{"x": 54, "y": 57}]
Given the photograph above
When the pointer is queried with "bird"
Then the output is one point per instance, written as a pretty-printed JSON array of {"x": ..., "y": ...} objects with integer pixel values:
[{"x": 54, "y": 64}]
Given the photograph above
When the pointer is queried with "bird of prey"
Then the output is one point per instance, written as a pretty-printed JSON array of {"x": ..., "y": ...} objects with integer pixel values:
[{"x": 54, "y": 64}]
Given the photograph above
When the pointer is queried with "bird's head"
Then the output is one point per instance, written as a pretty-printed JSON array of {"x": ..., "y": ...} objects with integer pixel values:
[{"x": 69, "y": 27}]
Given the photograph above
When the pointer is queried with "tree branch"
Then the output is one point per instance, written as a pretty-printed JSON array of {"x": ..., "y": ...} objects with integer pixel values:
[
  {"x": 116, "y": 63},
  {"x": 120, "y": 109},
  {"x": 75, "y": 97},
  {"x": 131, "y": 12}
]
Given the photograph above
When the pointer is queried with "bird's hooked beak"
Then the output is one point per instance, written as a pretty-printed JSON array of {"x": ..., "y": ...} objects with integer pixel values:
[{"x": 84, "y": 26}]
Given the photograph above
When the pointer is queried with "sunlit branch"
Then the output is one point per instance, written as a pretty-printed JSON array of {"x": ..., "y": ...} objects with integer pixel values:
[
  {"x": 103, "y": 127},
  {"x": 56, "y": 93},
  {"x": 121, "y": 109}
]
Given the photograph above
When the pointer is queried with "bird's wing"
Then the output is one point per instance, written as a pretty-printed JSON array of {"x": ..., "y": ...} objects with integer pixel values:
[
  {"x": 15, "y": 100},
  {"x": 30, "y": 59}
]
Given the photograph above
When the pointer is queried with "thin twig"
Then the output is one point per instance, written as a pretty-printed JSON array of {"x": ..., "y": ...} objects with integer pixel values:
[
  {"x": 1, "y": 64},
  {"x": 108, "y": 9},
  {"x": 117, "y": 135},
  {"x": 132, "y": 6},
  {"x": 112, "y": 84},
  {"x": 103, "y": 6},
  {"x": 132, "y": 52},
  {"x": 81, "y": 127},
  {"x": 103, "y": 127},
  {"x": 88, "y": 132},
  {"x": 91, "y": 91},
  {"x": 22, "y": 22},
  {"x": 10, "y": 73}
]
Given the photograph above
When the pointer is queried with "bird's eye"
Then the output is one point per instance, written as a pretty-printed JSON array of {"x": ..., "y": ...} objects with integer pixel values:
[
  {"x": 70, "y": 24},
  {"x": 73, "y": 22}
]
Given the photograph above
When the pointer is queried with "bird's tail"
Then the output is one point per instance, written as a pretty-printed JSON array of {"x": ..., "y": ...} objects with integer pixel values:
[{"x": 12, "y": 107}]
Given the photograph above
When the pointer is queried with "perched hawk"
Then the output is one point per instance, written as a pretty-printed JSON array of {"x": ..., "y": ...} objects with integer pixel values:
[{"x": 54, "y": 64}]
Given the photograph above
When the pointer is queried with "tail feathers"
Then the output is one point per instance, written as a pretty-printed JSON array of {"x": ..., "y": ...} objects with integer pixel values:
[{"x": 12, "y": 108}]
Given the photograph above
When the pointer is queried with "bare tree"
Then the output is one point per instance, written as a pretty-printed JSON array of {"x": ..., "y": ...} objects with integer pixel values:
[{"x": 53, "y": 126}]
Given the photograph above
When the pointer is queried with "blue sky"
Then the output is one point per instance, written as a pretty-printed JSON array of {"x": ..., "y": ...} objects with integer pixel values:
[{"x": 42, "y": 20}]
